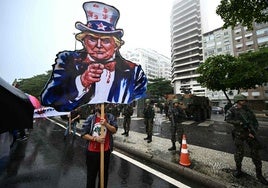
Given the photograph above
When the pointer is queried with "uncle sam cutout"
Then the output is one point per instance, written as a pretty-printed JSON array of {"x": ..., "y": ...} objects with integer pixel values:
[{"x": 97, "y": 73}]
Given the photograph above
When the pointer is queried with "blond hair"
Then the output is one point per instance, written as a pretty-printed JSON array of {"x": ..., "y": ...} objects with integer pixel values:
[{"x": 82, "y": 35}]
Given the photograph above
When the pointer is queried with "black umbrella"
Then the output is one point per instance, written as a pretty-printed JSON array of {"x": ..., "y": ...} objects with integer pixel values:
[{"x": 17, "y": 109}]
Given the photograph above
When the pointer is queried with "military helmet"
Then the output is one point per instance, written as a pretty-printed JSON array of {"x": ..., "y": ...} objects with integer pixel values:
[
  {"x": 147, "y": 101},
  {"x": 239, "y": 97}
]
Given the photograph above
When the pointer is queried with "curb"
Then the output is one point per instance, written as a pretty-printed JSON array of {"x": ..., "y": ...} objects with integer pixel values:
[{"x": 178, "y": 169}]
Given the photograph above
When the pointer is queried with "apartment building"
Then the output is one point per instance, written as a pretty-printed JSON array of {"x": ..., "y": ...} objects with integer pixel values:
[
  {"x": 155, "y": 65},
  {"x": 236, "y": 41},
  {"x": 245, "y": 40},
  {"x": 216, "y": 42},
  {"x": 186, "y": 45},
  {"x": 190, "y": 47}
]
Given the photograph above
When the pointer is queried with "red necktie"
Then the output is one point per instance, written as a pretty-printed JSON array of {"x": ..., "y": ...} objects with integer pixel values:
[{"x": 110, "y": 66}]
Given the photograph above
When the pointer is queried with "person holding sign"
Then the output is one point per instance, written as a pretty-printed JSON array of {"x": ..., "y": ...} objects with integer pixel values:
[
  {"x": 92, "y": 133},
  {"x": 97, "y": 73}
]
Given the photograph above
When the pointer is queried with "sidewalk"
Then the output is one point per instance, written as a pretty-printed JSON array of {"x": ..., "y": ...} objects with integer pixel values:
[{"x": 209, "y": 167}]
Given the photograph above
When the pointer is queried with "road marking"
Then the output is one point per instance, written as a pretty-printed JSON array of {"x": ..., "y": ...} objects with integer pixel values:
[
  {"x": 59, "y": 124},
  {"x": 153, "y": 171}
]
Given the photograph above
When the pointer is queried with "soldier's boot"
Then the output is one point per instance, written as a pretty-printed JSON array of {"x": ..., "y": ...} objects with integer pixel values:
[
  {"x": 126, "y": 134},
  {"x": 260, "y": 177},
  {"x": 238, "y": 172},
  {"x": 173, "y": 147},
  {"x": 149, "y": 139}
]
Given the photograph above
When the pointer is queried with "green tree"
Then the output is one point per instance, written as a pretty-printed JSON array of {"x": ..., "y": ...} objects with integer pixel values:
[
  {"x": 223, "y": 72},
  {"x": 34, "y": 85},
  {"x": 252, "y": 69},
  {"x": 244, "y": 12},
  {"x": 159, "y": 87},
  {"x": 215, "y": 73}
]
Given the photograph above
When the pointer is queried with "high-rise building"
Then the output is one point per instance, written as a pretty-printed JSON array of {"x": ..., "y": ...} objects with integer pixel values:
[{"x": 186, "y": 45}]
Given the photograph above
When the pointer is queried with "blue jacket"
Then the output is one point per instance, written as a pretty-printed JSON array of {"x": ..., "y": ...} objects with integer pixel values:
[{"x": 61, "y": 92}]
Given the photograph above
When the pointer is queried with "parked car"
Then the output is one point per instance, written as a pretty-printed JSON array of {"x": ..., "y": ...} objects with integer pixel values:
[{"x": 217, "y": 110}]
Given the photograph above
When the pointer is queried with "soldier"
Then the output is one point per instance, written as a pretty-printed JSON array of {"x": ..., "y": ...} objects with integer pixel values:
[
  {"x": 113, "y": 109},
  {"x": 245, "y": 127},
  {"x": 177, "y": 116},
  {"x": 226, "y": 108},
  {"x": 127, "y": 112},
  {"x": 148, "y": 114}
]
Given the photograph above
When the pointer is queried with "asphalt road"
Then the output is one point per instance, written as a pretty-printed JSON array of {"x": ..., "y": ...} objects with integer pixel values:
[{"x": 46, "y": 160}]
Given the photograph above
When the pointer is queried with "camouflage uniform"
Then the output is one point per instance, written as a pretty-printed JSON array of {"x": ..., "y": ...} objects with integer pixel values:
[
  {"x": 176, "y": 115},
  {"x": 148, "y": 114},
  {"x": 113, "y": 109},
  {"x": 245, "y": 123},
  {"x": 127, "y": 112}
]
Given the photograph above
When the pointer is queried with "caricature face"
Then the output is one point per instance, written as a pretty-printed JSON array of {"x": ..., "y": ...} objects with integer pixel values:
[{"x": 100, "y": 47}]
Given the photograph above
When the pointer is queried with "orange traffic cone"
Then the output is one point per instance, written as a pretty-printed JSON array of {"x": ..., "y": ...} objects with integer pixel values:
[{"x": 184, "y": 156}]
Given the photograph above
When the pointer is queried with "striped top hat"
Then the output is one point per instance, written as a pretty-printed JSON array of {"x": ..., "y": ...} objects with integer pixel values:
[{"x": 101, "y": 18}]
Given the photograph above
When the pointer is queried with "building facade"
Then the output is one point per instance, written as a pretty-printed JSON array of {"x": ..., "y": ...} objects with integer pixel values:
[
  {"x": 245, "y": 40},
  {"x": 155, "y": 65},
  {"x": 216, "y": 42},
  {"x": 190, "y": 47},
  {"x": 186, "y": 45}
]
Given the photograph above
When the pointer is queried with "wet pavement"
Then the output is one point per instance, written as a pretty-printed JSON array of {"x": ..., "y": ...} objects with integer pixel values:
[{"x": 209, "y": 167}]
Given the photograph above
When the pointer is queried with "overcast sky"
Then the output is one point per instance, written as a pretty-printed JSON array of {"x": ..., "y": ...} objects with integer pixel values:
[{"x": 34, "y": 31}]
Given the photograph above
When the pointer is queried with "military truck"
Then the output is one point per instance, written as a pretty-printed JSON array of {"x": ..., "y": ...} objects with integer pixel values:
[{"x": 197, "y": 108}]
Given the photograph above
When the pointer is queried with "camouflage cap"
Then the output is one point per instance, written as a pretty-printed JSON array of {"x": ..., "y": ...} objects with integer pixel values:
[{"x": 239, "y": 97}]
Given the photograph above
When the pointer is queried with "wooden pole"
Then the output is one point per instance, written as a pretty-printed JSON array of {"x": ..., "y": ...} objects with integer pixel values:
[
  {"x": 102, "y": 152},
  {"x": 70, "y": 121}
]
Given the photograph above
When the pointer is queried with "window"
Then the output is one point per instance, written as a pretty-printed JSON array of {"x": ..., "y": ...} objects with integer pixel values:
[
  {"x": 237, "y": 31},
  {"x": 219, "y": 50},
  {"x": 238, "y": 45},
  {"x": 227, "y": 47},
  {"x": 262, "y": 39},
  {"x": 248, "y": 35},
  {"x": 238, "y": 38},
  {"x": 249, "y": 43},
  {"x": 262, "y": 31}
]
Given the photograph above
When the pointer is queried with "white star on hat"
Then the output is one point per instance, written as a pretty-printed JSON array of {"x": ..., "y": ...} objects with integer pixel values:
[{"x": 101, "y": 26}]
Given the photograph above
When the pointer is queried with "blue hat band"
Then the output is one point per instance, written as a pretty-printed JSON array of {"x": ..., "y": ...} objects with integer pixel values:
[{"x": 100, "y": 26}]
